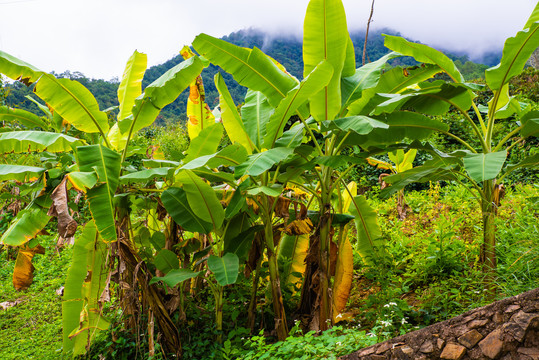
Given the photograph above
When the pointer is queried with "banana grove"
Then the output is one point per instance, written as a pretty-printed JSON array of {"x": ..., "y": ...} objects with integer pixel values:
[{"x": 277, "y": 194}]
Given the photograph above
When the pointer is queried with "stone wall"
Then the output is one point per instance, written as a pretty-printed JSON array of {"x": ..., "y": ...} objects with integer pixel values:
[{"x": 507, "y": 329}]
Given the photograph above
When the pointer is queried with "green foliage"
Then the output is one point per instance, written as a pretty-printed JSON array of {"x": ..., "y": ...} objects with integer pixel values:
[{"x": 330, "y": 344}]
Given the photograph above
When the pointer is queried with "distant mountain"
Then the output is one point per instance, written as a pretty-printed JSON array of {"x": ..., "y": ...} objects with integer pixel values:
[{"x": 286, "y": 50}]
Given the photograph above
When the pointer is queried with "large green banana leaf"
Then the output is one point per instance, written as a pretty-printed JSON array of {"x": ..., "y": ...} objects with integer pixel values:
[
  {"x": 166, "y": 260},
  {"x": 230, "y": 117},
  {"x": 205, "y": 143},
  {"x": 131, "y": 85},
  {"x": 425, "y": 54},
  {"x": 250, "y": 68},
  {"x": 224, "y": 268},
  {"x": 391, "y": 82},
  {"x": 160, "y": 93},
  {"x": 73, "y": 102},
  {"x": 29, "y": 141},
  {"x": 202, "y": 198},
  {"x": 81, "y": 312},
  {"x": 17, "y": 69},
  {"x": 325, "y": 37},
  {"x": 369, "y": 236},
  {"x": 482, "y": 166},
  {"x": 312, "y": 84},
  {"x": 24, "y": 117},
  {"x": 402, "y": 124},
  {"x": 175, "y": 202},
  {"x": 364, "y": 77},
  {"x": 146, "y": 175},
  {"x": 231, "y": 155},
  {"x": 418, "y": 174},
  {"x": 361, "y": 125},
  {"x": 256, "y": 164},
  {"x": 176, "y": 276},
  {"x": 106, "y": 164},
  {"x": 291, "y": 257},
  {"x": 432, "y": 98},
  {"x": 20, "y": 173},
  {"x": 516, "y": 52},
  {"x": 530, "y": 124},
  {"x": 255, "y": 114},
  {"x": 25, "y": 226}
]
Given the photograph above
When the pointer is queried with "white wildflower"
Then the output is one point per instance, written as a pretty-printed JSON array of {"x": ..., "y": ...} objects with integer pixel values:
[
  {"x": 386, "y": 323},
  {"x": 403, "y": 321}
]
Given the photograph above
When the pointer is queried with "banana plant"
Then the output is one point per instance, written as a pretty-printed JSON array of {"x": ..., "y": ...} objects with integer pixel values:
[
  {"x": 481, "y": 168},
  {"x": 96, "y": 171},
  {"x": 334, "y": 109},
  {"x": 402, "y": 161}
]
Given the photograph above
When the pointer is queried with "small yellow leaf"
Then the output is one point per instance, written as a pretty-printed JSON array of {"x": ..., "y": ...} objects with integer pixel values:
[
  {"x": 23, "y": 273},
  {"x": 343, "y": 279}
]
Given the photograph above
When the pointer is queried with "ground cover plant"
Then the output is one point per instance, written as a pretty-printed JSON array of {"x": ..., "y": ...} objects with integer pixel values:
[{"x": 256, "y": 224}]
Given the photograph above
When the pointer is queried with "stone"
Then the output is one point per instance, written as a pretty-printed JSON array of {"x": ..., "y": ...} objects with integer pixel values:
[
  {"x": 453, "y": 351},
  {"x": 477, "y": 323},
  {"x": 365, "y": 352},
  {"x": 470, "y": 339},
  {"x": 383, "y": 348},
  {"x": 533, "y": 353},
  {"x": 407, "y": 350},
  {"x": 512, "y": 308},
  {"x": 497, "y": 318},
  {"x": 440, "y": 343},
  {"x": 514, "y": 331},
  {"x": 524, "y": 319},
  {"x": 491, "y": 346},
  {"x": 377, "y": 357},
  {"x": 427, "y": 347}
]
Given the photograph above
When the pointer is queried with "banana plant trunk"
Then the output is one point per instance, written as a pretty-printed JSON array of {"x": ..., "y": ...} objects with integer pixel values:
[
  {"x": 324, "y": 253},
  {"x": 488, "y": 211},
  {"x": 278, "y": 306}
]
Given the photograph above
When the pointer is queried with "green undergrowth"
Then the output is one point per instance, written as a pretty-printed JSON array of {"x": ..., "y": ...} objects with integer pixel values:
[
  {"x": 431, "y": 273},
  {"x": 32, "y": 329}
]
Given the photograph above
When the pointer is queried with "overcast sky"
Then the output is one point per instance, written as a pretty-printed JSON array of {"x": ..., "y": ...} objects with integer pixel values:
[{"x": 97, "y": 37}]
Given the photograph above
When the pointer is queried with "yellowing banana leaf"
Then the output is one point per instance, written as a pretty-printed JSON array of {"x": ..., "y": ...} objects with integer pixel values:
[
  {"x": 159, "y": 94},
  {"x": 73, "y": 102},
  {"x": 347, "y": 196},
  {"x": 425, "y": 54},
  {"x": 106, "y": 164},
  {"x": 291, "y": 257},
  {"x": 250, "y": 68},
  {"x": 29, "y": 141},
  {"x": 343, "y": 279},
  {"x": 20, "y": 173},
  {"x": 116, "y": 138},
  {"x": 202, "y": 198},
  {"x": 18, "y": 70},
  {"x": 82, "y": 180},
  {"x": 26, "y": 225},
  {"x": 23, "y": 117},
  {"x": 81, "y": 313},
  {"x": 318, "y": 78},
  {"x": 199, "y": 113},
  {"x": 131, "y": 85},
  {"x": 325, "y": 37},
  {"x": 23, "y": 273},
  {"x": 369, "y": 236},
  {"x": 229, "y": 116}
]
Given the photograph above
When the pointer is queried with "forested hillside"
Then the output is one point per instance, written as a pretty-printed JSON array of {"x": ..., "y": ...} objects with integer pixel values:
[{"x": 286, "y": 50}]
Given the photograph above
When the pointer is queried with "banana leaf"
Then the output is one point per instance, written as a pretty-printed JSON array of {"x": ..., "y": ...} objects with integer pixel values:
[{"x": 30, "y": 141}]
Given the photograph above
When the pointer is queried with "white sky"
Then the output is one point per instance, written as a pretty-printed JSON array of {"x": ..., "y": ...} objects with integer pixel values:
[{"x": 96, "y": 37}]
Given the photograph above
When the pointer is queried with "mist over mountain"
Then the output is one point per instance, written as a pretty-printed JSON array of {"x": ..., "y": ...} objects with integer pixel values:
[{"x": 283, "y": 47}]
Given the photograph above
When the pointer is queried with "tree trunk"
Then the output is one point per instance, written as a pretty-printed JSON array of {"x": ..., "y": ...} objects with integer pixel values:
[{"x": 488, "y": 250}]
